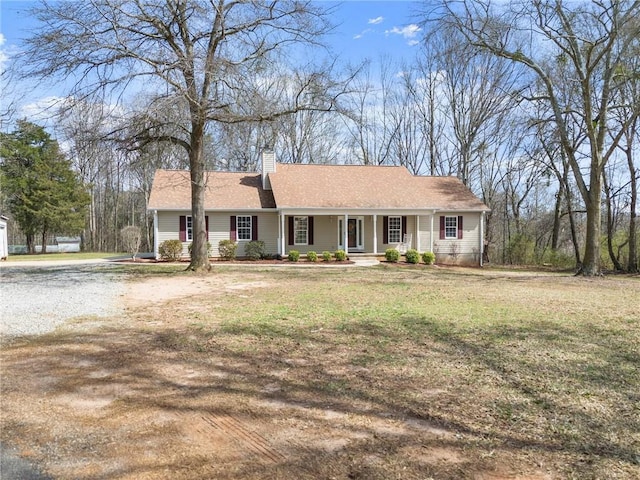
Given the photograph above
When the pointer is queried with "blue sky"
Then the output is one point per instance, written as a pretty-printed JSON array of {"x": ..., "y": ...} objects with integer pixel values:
[{"x": 366, "y": 29}]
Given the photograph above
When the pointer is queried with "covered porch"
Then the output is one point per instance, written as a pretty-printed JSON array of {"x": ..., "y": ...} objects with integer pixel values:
[{"x": 354, "y": 232}]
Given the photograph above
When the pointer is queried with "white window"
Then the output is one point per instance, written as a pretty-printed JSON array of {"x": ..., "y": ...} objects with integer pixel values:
[
  {"x": 300, "y": 230},
  {"x": 395, "y": 229},
  {"x": 189, "y": 228},
  {"x": 243, "y": 227},
  {"x": 450, "y": 227}
]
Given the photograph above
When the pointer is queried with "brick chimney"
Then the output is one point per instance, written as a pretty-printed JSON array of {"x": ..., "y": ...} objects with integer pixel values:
[{"x": 268, "y": 166}]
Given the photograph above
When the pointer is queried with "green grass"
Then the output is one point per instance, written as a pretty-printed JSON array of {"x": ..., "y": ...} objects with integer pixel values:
[
  {"x": 548, "y": 361},
  {"x": 531, "y": 374},
  {"x": 63, "y": 256}
]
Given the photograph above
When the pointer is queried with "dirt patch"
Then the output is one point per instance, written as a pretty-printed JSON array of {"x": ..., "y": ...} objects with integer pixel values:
[{"x": 158, "y": 291}]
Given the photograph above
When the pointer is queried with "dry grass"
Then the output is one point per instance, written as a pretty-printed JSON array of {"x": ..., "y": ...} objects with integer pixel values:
[{"x": 339, "y": 373}]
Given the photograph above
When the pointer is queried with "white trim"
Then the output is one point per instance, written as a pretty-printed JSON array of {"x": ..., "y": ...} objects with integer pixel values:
[
  {"x": 295, "y": 230},
  {"x": 399, "y": 229},
  {"x": 156, "y": 234},
  {"x": 481, "y": 238},
  {"x": 238, "y": 239},
  {"x": 375, "y": 234},
  {"x": 431, "y": 234},
  {"x": 447, "y": 237},
  {"x": 187, "y": 237},
  {"x": 360, "y": 243},
  {"x": 345, "y": 226},
  {"x": 281, "y": 243}
]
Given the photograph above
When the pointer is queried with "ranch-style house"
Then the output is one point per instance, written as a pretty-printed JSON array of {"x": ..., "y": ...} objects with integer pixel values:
[{"x": 361, "y": 209}]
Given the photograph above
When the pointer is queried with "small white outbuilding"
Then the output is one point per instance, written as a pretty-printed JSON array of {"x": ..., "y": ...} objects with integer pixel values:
[{"x": 4, "y": 244}]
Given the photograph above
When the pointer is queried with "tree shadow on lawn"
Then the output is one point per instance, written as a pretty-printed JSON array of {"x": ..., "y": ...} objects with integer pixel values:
[
  {"x": 581, "y": 383},
  {"x": 347, "y": 403}
]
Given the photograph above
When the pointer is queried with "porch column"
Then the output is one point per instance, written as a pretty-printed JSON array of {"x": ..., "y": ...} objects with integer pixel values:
[
  {"x": 431, "y": 234},
  {"x": 156, "y": 240},
  {"x": 281, "y": 245},
  {"x": 346, "y": 233},
  {"x": 481, "y": 249},
  {"x": 375, "y": 234}
]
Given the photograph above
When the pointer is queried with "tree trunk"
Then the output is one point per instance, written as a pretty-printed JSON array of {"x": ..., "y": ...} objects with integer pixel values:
[
  {"x": 572, "y": 226},
  {"x": 199, "y": 253},
  {"x": 31, "y": 244},
  {"x": 610, "y": 225},
  {"x": 591, "y": 260},
  {"x": 633, "y": 266},
  {"x": 557, "y": 216},
  {"x": 43, "y": 247}
]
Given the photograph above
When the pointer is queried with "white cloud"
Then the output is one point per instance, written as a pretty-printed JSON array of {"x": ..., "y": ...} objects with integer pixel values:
[
  {"x": 408, "y": 32},
  {"x": 43, "y": 109},
  {"x": 362, "y": 34},
  {"x": 375, "y": 21}
]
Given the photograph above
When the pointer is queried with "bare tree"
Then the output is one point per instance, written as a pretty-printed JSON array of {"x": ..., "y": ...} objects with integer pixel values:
[
  {"x": 477, "y": 88},
  {"x": 131, "y": 237},
  {"x": 590, "y": 38},
  {"x": 369, "y": 126},
  {"x": 220, "y": 60}
]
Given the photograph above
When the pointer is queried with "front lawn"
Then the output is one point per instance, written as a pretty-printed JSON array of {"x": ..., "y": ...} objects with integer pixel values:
[{"x": 354, "y": 373}]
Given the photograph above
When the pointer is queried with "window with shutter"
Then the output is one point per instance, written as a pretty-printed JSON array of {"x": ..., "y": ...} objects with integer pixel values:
[
  {"x": 188, "y": 229},
  {"x": 301, "y": 230},
  {"x": 394, "y": 233},
  {"x": 450, "y": 228},
  {"x": 243, "y": 227}
]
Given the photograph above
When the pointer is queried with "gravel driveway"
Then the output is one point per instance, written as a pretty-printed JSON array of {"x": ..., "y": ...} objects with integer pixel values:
[{"x": 36, "y": 299}]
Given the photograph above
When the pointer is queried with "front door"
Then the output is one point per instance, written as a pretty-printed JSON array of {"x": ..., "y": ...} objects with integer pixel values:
[
  {"x": 355, "y": 233},
  {"x": 352, "y": 233}
]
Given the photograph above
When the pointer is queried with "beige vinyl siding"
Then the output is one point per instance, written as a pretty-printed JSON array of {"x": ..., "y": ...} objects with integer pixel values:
[
  {"x": 219, "y": 229},
  {"x": 460, "y": 252},
  {"x": 325, "y": 235},
  {"x": 169, "y": 228},
  {"x": 411, "y": 228},
  {"x": 425, "y": 235}
]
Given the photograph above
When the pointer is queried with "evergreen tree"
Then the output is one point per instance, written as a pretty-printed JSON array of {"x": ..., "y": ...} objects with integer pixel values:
[{"x": 43, "y": 193}]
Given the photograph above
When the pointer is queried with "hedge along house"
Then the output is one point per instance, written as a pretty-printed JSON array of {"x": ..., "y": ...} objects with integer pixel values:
[{"x": 357, "y": 208}]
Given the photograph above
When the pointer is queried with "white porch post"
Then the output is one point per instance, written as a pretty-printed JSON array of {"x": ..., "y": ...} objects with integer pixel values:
[
  {"x": 375, "y": 234},
  {"x": 346, "y": 233},
  {"x": 481, "y": 237},
  {"x": 281, "y": 246},
  {"x": 431, "y": 234},
  {"x": 418, "y": 233},
  {"x": 156, "y": 240}
]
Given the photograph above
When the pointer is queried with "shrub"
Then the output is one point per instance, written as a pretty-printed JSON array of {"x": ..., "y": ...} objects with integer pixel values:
[
  {"x": 340, "y": 255},
  {"x": 255, "y": 250},
  {"x": 312, "y": 256},
  {"x": 520, "y": 250},
  {"x": 170, "y": 250},
  {"x": 326, "y": 256},
  {"x": 294, "y": 255},
  {"x": 131, "y": 238},
  {"x": 429, "y": 258},
  {"x": 227, "y": 249},
  {"x": 392, "y": 255},
  {"x": 412, "y": 256},
  {"x": 209, "y": 248}
]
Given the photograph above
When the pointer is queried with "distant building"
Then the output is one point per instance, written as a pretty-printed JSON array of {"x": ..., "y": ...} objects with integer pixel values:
[{"x": 4, "y": 244}]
